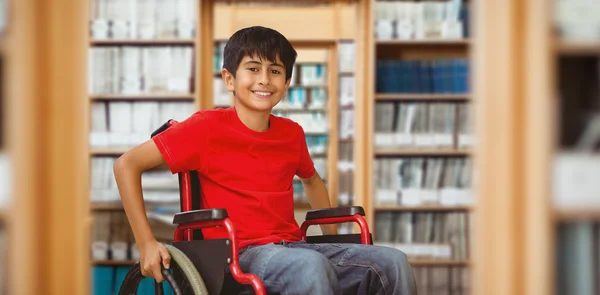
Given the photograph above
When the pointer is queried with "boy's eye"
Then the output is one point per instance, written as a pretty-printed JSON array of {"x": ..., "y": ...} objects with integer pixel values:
[
  {"x": 253, "y": 69},
  {"x": 276, "y": 72}
]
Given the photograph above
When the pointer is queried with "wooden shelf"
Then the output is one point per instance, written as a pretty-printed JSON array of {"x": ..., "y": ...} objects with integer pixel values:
[
  {"x": 438, "y": 262},
  {"x": 576, "y": 214},
  {"x": 109, "y": 151},
  {"x": 568, "y": 47},
  {"x": 122, "y": 42},
  {"x": 153, "y": 96},
  {"x": 454, "y": 42},
  {"x": 114, "y": 262},
  {"x": 421, "y": 96},
  {"x": 424, "y": 208},
  {"x": 421, "y": 152}
]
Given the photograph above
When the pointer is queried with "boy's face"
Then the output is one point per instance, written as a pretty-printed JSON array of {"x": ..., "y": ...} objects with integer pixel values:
[{"x": 259, "y": 84}]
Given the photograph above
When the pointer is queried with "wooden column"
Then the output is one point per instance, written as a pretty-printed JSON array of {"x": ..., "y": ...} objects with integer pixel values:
[
  {"x": 47, "y": 72},
  {"x": 510, "y": 78}
]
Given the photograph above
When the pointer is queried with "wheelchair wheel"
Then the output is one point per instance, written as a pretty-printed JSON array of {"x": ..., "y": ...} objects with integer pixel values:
[{"x": 183, "y": 277}]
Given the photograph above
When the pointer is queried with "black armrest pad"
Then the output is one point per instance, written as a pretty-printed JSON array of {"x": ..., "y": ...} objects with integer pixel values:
[
  {"x": 161, "y": 128},
  {"x": 335, "y": 212},
  {"x": 199, "y": 215}
]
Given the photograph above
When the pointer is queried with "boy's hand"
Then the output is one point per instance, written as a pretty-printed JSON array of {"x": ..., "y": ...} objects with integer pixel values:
[{"x": 152, "y": 253}]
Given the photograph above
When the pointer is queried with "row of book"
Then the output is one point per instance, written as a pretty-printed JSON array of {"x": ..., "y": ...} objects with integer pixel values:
[
  {"x": 302, "y": 74},
  {"x": 423, "y": 124},
  {"x": 311, "y": 122},
  {"x": 107, "y": 280},
  {"x": 159, "y": 186},
  {"x": 423, "y": 181},
  {"x": 424, "y": 235},
  {"x": 143, "y": 19},
  {"x": 140, "y": 70},
  {"x": 126, "y": 123},
  {"x": 578, "y": 257},
  {"x": 577, "y": 19},
  {"x": 442, "y": 76},
  {"x": 439, "y": 280},
  {"x": 421, "y": 20}
]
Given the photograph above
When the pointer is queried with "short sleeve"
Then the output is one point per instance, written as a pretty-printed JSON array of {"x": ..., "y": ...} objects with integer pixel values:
[
  {"x": 306, "y": 167},
  {"x": 184, "y": 144}
]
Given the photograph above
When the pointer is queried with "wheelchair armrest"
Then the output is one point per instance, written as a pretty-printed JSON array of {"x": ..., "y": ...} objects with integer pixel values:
[
  {"x": 335, "y": 212},
  {"x": 199, "y": 215}
]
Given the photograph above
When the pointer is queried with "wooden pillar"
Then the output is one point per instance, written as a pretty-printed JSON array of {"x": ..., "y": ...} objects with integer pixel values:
[
  {"x": 47, "y": 72},
  {"x": 509, "y": 78}
]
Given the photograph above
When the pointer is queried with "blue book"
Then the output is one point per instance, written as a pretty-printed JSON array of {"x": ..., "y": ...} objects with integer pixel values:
[
  {"x": 393, "y": 76},
  {"x": 102, "y": 280},
  {"x": 465, "y": 69},
  {"x": 447, "y": 75},
  {"x": 415, "y": 71},
  {"x": 436, "y": 72},
  {"x": 456, "y": 75},
  {"x": 379, "y": 76}
]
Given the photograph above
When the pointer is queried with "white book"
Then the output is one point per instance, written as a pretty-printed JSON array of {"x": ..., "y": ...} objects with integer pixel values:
[
  {"x": 99, "y": 125},
  {"x": 131, "y": 70},
  {"x": 91, "y": 70},
  {"x": 120, "y": 122},
  {"x": 142, "y": 122},
  {"x": 131, "y": 17},
  {"x": 405, "y": 24},
  {"x": 99, "y": 26},
  {"x": 185, "y": 10},
  {"x": 165, "y": 19},
  {"x": 146, "y": 24}
]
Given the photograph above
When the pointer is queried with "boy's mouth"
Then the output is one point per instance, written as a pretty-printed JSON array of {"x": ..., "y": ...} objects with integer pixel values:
[{"x": 262, "y": 94}]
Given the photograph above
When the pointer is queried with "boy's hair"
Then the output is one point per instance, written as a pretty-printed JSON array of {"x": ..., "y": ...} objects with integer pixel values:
[{"x": 263, "y": 42}]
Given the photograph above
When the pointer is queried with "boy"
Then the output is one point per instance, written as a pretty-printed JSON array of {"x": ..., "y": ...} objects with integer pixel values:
[{"x": 247, "y": 159}]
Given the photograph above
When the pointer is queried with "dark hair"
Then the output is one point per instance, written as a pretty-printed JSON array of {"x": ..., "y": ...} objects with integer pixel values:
[{"x": 264, "y": 42}]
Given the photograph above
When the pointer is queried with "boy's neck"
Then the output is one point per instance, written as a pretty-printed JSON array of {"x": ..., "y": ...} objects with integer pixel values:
[{"x": 256, "y": 121}]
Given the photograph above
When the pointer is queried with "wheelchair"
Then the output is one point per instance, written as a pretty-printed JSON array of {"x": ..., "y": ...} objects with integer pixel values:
[{"x": 201, "y": 266}]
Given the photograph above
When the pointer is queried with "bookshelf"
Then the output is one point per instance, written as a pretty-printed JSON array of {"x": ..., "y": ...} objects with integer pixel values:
[
  {"x": 412, "y": 162},
  {"x": 572, "y": 51},
  {"x": 317, "y": 52}
]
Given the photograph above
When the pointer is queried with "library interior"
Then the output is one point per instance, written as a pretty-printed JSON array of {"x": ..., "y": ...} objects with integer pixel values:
[{"x": 474, "y": 191}]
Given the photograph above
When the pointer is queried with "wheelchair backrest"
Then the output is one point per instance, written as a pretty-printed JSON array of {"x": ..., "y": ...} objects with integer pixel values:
[{"x": 189, "y": 185}]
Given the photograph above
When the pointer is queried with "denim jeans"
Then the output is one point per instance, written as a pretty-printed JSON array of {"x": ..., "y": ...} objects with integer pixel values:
[{"x": 322, "y": 269}]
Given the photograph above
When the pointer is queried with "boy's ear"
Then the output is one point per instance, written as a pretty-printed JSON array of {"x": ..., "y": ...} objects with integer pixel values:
[{"x": 228, "y": 79}]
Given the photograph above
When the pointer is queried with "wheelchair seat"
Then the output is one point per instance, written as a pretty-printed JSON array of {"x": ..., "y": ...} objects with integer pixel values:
[{"x": 220, "y": 270}]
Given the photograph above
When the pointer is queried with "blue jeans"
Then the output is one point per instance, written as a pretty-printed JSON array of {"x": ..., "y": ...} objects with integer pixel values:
[{"x": 321, "y": 269}]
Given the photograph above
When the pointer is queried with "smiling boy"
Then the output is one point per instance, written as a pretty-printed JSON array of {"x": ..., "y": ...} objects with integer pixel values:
[{"x": 246, "y": 159}]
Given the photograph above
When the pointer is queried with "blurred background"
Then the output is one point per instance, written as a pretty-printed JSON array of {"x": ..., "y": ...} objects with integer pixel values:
[{"x": 469, "y": 131}]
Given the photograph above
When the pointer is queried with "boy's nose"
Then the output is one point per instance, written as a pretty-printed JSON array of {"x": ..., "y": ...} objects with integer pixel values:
[{"x": 264, "y": 79}]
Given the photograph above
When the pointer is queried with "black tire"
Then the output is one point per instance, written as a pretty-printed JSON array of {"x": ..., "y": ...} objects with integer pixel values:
[{"x": 183, "y": 277}]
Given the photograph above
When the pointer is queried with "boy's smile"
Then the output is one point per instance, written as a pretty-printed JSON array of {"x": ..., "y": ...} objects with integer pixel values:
[{"x": 259, "y": 84}]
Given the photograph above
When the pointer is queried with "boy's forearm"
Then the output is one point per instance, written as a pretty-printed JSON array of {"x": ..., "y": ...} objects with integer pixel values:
[
  {"x": 130, "y": 188},
  {"x": 317, "y": 195}
]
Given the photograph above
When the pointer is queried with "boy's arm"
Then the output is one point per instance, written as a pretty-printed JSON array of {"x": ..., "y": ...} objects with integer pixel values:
[
  {"x": 128, "y": 171},
  {"x": 318, "y": 198}
]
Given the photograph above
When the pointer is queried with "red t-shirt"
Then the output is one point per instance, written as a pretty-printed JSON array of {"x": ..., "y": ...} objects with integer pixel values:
[{"x": 248, "y": 173}]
